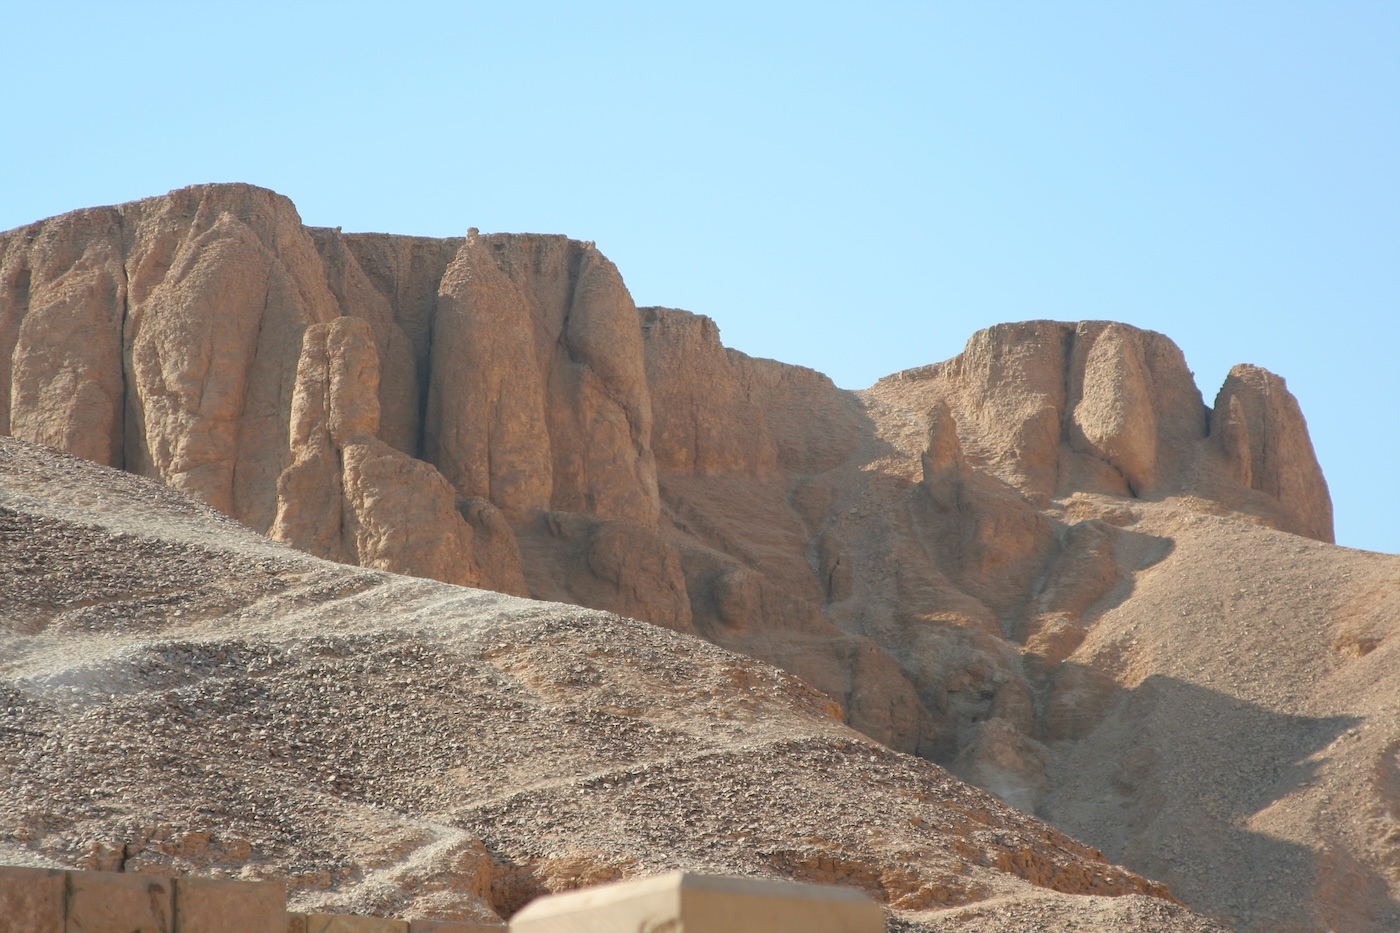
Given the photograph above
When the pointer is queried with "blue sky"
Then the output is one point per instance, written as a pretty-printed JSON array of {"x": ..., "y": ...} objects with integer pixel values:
[{"x": 853, "y": 188}]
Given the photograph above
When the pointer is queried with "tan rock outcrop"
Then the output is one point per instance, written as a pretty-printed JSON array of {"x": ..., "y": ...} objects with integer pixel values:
[
  {"x": 350, "y": 496},
  {"x": 1001, "y": 758},
  {"x": 310, "y": 493},
  {"x": 222, "y": 280},
  {"x": 704, "y": 421},
  {"x": 495, "y": 550},
  {"x": 815, "y": 425},
  {"x": 62, "y": 307},
  {"x": 1114, "y": 418},
  {"x": 402, "y": 516},
  {"x": 398, "y": 383},
  {"x": 1052, "y": 408},
  {"x": 485, "y": 426},
  {"x": 726, "y": 490},
  {"x": 538, "y": 396},
  {"x": 1261, "y": 429},
  {"x": 1135, "y": 407},
  {"x": 408, "y": 272}
]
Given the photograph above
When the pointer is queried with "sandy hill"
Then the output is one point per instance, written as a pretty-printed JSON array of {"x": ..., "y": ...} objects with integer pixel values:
[
  {"x": 1046, "y": 564},
  {"x": 184, "y": 695}
]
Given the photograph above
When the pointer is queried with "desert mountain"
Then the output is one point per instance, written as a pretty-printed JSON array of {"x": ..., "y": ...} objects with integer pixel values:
[
  {"x": 182, "y": 694},
  {"x": 1045, "y": 563}
]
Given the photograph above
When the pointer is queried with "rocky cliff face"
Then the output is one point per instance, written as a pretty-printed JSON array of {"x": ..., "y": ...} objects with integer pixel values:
[{"x": 494, "y": 410}]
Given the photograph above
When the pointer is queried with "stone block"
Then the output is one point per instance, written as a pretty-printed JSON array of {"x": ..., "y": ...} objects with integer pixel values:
[
  {"x": 31, "y": 899},
  {"x": 349, "y": 923},
  {"x": 113, "y": 902},
  {"x": 703, "y": 904},
  {"x": 207, "y": 905},
  {"x": 454, "y": 926}
]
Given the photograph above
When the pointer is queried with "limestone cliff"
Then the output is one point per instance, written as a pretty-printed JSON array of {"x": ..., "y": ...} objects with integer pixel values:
[{"x": 494, "y": 410}]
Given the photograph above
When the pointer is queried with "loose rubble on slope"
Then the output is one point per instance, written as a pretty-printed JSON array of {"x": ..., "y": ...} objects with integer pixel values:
[{"x": 183, "y": 696}]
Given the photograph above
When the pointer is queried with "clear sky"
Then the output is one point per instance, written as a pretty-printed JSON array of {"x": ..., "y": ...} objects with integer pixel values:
[{"x": 851, "y": 187}]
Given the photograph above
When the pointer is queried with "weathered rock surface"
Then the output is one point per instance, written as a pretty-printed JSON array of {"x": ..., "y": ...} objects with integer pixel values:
[
  {"x": 705, "y": 423},
  {"x": 537, "y": 396},
  {"x": 183, "y": 696},
  {"x": 1265, "y": 439},
  {"x": 349, "y": 496},
  {"x": 61, "y": 375},
  {"x": 935, "y": 553}
]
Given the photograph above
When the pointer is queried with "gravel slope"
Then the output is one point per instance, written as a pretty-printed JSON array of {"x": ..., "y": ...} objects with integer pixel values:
[
  {"x": 182, "y": 695},
  {"x": 1239, "y": 725}
]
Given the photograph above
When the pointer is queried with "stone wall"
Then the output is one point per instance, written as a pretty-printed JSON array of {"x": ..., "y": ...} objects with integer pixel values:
[{"x": 51, "y": 900}]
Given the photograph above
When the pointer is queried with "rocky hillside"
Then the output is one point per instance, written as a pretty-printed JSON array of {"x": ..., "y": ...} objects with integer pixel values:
[
  {"x": 182, "y": 695},
  {"x": 1000, "y": 562}
]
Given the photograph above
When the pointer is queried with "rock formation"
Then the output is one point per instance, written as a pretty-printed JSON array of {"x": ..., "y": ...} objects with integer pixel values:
[
  {"x": 937, "y": 553},
  {"x": 1261, "y": 429},
  {"x": 349, "y": 496},
  {"x": 183, "y": 696}
]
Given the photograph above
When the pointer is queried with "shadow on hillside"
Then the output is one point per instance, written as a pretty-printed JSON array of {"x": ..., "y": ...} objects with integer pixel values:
[
  {"x": 1181, "y": 782},
  {"x": 1186, "y": 785}
]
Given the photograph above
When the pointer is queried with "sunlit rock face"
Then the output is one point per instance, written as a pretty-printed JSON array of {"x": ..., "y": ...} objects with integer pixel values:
[{"x": 956, "y": 556}]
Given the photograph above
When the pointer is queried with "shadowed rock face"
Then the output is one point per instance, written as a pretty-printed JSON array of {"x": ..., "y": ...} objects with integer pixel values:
[{"x": 494, "y": 410}]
